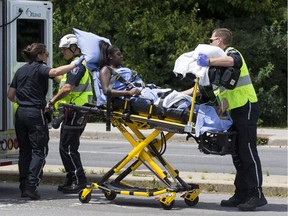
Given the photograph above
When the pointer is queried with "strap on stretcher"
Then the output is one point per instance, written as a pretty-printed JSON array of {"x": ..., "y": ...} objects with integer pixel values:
[
  {"x": 188, "y": 127},
  {"x": 115, "y": 76}
]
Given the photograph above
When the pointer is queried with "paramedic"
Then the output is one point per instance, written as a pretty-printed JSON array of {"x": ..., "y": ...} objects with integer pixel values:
[
  {"x": 29, "y": 88},
  {"x": 75, "y": 88},
  {"x": 244, "y": 108}
]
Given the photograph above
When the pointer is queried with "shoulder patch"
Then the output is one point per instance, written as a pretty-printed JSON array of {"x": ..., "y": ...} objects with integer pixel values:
[
  {"x": 75, "y": 71},
  {"x": 232, "y": 51}
]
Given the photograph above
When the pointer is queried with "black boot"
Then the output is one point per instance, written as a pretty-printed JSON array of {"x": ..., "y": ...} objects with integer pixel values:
[
  {"x": 22, "y": 189},
  {"x": 67, "y": 183},
  {"x": 31, "y": 193},
  {"x": 253, "y": 203},
  {"x": 232, "y": 202},
  {"x": 74, "y": 188}
]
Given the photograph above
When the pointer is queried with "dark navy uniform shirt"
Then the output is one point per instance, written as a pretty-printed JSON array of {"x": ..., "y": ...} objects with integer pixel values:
[
  {"x": 31, "y": 84},
  {"x": 236, "y": 57},
  {"x": 74, "y": 76}
]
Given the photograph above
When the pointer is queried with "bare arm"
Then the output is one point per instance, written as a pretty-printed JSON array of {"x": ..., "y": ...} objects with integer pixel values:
[
  {"x": 226, "y": 61},
  {"x": 191, "y": 91},
  {"x": 61, "y": 70},
  {"x": 63, "y": 92},
  {"x": 105, "y": 77},
  {"x": 58, "y": 78},
  {"x": 11, "y": 94}
]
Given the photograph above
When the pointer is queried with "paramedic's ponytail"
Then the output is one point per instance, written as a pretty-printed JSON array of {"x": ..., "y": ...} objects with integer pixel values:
[{"x": 31, "y": 52}]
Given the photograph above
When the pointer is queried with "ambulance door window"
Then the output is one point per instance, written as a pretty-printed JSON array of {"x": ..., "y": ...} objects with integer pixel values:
[{"x": 28, "y": 31}]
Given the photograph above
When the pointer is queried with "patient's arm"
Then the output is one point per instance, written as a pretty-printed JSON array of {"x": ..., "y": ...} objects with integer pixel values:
[
  {"x": 190, "y": 91},
  {"x": 105, "y": 77}
]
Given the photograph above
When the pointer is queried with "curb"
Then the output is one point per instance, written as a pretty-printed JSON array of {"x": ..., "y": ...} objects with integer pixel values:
[
  {"x": 275, "y": 137},
  {"x": 146, "y": 181}
]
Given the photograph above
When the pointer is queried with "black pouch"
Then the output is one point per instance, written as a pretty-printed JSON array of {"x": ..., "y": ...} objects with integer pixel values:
[
  {"x": 226, "y": 77},
  {"x": 214, "y": 75},
  {"x": 230, "y": 77},
  {"x": 217, "y": 143},
  {"x": 207, "y": 93}
]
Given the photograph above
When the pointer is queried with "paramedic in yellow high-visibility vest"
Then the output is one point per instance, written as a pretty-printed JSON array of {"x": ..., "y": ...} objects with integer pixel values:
[
  {"x": 75, "y": 88},
  {"x": 244, "y": 109}
]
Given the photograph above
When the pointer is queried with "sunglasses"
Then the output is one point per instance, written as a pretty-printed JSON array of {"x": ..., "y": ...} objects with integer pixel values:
[{"x": 212, "y": 39}]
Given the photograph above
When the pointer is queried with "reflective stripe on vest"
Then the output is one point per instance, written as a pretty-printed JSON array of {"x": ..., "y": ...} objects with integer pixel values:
[
  {"x": 242, "y": 81},
  {"x": 79, "y": 88},
  {"x": 244, "y": 90}
]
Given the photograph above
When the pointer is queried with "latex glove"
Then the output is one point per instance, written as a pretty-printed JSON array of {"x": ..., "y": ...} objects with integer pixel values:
[
  {"x": 202, "y": 60},
  {"x": 79, "y": 61}
]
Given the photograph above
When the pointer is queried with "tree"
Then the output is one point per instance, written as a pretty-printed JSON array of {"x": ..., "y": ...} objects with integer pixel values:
[
  {"x": 153, "y": 34},
  {"x": 260, "y": 32}
]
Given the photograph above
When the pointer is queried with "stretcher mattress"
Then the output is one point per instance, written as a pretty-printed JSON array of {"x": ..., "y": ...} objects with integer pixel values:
[{"x": 146, "y": 108}]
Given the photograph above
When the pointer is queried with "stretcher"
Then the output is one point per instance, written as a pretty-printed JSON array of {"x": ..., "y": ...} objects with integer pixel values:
[{"x": 149, "y": 150}]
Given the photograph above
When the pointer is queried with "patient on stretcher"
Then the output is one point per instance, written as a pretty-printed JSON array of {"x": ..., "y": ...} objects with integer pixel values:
[
  {"x": 124, "y": 82},
  {"x": 116, "y": 81}
]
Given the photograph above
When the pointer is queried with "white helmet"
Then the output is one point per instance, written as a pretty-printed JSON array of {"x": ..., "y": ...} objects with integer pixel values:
[{"x": 67, "y": 40}]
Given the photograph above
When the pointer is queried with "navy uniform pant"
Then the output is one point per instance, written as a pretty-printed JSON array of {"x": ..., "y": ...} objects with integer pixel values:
[
  {"x": 248, "y": 180},
  {"x": 69, "y": 145},
  {"x": 33, "y": 137}
]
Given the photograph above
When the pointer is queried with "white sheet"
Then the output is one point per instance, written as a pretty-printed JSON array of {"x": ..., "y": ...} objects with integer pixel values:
[{"x": 187, "y": 62}]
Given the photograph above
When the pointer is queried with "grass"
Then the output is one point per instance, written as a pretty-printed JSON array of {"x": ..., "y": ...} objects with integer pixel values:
[
  {"x": 62, "y": 170},
  {"x": 262, "y": 141},
  {"x": 138, "y": 174},
  {"x": 190, "y": 176}
]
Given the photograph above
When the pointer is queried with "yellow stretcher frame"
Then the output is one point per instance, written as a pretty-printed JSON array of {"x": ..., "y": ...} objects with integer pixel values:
[{"x": 145, "y": 151}]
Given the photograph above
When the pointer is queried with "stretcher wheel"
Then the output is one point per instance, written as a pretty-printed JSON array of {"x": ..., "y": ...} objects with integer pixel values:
[
  {"x": 192, "y": 203},
  {"x": 85, "y": 199},
  {"x": 110, "y": 195},
  {"x": 168, "y": 206}
]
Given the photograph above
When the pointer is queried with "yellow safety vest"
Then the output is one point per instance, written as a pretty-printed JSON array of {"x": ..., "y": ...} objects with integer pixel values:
[
  {"x": 244, "y": 90},
  {"x": 81, "y": 94}
]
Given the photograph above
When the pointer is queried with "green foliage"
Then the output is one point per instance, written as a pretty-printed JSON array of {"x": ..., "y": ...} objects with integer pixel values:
[
  {"x": 153, "y": 34},
  {"x": 262, "y": 141},
  {"x": 264, "y": 48}
]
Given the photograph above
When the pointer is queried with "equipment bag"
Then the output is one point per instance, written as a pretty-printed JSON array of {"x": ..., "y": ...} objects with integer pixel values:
[{"x": 226, "y": 77}]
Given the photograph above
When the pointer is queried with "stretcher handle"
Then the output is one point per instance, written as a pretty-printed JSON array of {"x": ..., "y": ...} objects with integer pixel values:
[
  {"x": 88, "y": 109},
  {"x": 188, "y": 127},
  {"x": 193, "y": 99}
]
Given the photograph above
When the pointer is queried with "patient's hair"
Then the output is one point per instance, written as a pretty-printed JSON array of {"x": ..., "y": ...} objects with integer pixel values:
[{"x": 105, "y": 50}]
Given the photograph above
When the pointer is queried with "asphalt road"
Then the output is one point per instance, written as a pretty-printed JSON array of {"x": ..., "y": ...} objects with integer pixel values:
[
  {"x": 56, "y": 203},
  {"x": 182, "y": 156}
]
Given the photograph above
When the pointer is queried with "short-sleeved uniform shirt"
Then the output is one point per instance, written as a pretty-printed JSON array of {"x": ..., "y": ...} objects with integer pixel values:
[
  {"x": 31, "y": 84},
  {"x": 236, "y": 57},
  {"x": 74, "y": 76}
]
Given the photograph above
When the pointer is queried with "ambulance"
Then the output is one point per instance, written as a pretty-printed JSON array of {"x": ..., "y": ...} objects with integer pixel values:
[{"x": 21, "y": 23}]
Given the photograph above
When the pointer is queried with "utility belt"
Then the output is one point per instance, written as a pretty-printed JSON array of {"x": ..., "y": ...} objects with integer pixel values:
[
  {"x": 71, "y": 119},
  {"x": 32, "y": 106}
]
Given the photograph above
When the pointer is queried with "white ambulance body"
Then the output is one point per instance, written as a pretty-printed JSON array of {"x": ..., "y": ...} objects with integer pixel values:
[{"x": 21, "y": 23}]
